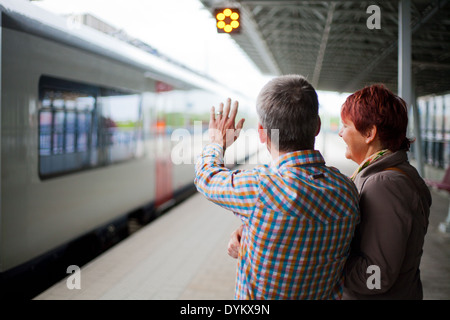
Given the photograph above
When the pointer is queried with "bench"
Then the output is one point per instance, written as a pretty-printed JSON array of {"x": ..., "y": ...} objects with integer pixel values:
[{"x": 444, "y": 185}]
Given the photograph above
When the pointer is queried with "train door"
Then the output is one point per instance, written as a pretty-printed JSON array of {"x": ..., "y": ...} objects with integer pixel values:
[{"x": 163, "y": 163}]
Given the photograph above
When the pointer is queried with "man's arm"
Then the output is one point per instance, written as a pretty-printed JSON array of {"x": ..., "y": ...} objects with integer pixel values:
[{"x": 235, "y": 190}]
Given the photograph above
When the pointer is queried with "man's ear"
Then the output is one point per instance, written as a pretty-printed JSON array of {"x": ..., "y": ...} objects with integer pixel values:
[
  {"x": 319, "y": 124},
  {"x": 262, "y": 133},
  {"x": 371, "y": 134}
]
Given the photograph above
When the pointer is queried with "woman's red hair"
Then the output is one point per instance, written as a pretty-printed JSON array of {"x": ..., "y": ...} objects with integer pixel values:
[{"x": 377, "y": 106}]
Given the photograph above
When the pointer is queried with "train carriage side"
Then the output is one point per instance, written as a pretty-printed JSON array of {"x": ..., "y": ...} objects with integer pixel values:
[{"x": 85, "y": 138}]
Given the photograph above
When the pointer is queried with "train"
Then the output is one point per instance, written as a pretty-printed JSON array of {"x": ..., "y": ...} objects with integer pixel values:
[{"x": 87, "y": 141}]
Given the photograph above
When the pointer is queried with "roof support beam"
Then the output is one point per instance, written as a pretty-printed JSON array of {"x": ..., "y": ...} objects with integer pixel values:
[
  {"x": 258, "y": 41},
  {"x": 404, "y": 51},
  {"x": 391, "y": 48},
  {"x": 323, "y": 45},
  {"x": 405, "y": 89}
]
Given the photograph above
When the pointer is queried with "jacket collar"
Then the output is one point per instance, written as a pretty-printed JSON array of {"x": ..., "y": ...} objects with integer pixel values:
[{"x": 389, "y": 160}]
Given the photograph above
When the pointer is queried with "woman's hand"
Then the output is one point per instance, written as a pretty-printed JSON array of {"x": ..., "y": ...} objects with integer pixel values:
[{"x": 222, "y": 129}]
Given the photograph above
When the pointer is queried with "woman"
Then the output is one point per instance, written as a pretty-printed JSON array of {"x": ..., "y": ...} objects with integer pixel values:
[{"x": 394, "y": 200}]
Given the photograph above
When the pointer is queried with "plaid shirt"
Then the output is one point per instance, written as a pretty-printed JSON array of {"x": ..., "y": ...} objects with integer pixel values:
[{"x": 299, "y": 217}]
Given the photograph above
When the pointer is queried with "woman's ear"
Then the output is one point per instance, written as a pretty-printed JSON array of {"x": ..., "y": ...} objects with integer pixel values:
[{"x": 371, "y": 134}]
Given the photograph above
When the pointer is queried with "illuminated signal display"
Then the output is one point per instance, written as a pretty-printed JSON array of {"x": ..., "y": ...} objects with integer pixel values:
[{"x": 228, "y": 20}]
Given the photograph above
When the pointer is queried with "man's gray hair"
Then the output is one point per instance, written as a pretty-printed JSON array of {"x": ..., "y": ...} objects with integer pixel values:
[{"x": 289, "y": 104}]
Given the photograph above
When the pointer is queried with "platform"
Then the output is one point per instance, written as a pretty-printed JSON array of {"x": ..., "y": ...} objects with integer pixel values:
[{"x": 182, "y": 255}]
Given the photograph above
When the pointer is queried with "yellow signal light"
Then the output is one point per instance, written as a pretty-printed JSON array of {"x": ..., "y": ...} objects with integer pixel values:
[
  {"x": 220, "y": 16},
  {"x": 227, "y": 20}
]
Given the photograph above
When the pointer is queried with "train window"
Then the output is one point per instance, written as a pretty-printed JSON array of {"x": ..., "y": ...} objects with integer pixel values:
[
  {"x": 118, "y": 131},
  {"x": 45, "y": 145},
  {"x": 84, "y": 126}
]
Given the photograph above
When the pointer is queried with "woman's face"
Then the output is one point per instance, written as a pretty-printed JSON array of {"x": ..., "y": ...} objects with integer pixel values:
[{"x": 357, "y": 147}]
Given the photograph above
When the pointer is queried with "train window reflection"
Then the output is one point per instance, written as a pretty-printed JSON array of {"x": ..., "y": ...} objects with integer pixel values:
[
  {"x": 45, "y": 128},
  {"x": 70, "y": 132},
  {"x": 58, "y": 132},
  {"x": 85, "y": 103},
  {"x": 83, "y": 126},
  {"x": 120, "y": 116}
]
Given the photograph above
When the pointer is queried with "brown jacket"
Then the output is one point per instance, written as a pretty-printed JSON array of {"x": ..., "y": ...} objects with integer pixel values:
[{"x": 395, "y": 206}]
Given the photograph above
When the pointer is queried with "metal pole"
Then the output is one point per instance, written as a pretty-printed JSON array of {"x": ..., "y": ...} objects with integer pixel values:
[
  {"x": 417, "y": 131},
  {"x": 404, "y": 50},
  {"x": 404, "y": 73}
]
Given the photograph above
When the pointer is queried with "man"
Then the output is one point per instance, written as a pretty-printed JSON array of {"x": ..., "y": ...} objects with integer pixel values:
[{"x": 298, "y": 214}]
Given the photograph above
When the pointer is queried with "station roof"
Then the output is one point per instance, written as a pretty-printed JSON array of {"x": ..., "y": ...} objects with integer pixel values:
[{"x": 330, "y": 43}]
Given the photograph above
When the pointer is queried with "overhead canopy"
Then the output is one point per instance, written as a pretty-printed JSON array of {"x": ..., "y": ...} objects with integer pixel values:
[{"x": 331, "y": 44}]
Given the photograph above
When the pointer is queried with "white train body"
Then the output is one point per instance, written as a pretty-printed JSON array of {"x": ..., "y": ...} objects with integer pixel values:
[{"x": 85, "y": 134}]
